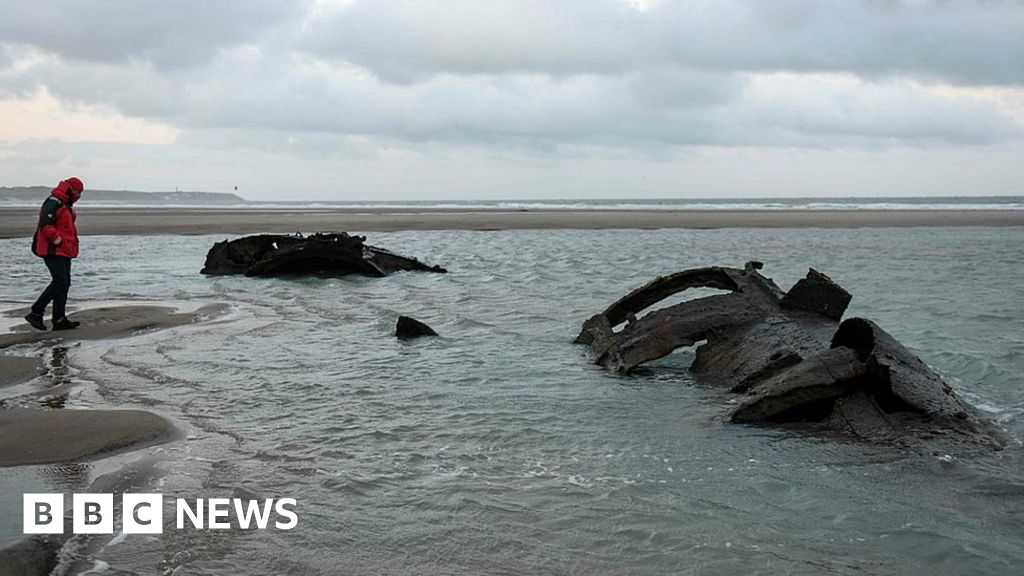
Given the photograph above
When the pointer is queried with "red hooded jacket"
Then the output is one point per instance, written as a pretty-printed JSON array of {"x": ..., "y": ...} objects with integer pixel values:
[{"x": 56, "y": 234}]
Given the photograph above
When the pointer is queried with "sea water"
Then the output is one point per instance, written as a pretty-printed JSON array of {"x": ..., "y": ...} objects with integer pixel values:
[
  {"x": 499, "y": 448},
  {"x": 957, "y": 203}
]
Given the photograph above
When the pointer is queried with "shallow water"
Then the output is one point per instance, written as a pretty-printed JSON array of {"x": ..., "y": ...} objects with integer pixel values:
[{"x": 499, "y": 449}]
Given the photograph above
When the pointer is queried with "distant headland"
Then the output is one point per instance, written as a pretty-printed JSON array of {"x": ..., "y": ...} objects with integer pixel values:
[{"x": 22, "y": 195}]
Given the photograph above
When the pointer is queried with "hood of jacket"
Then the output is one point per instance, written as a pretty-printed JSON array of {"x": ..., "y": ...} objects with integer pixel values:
[{"x": 69, "y": 191}]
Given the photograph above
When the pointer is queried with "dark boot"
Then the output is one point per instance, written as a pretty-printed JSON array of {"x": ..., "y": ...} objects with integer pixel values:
[
  {"x": 35, "y": 320},
  {"x": 65, "y": 324}
]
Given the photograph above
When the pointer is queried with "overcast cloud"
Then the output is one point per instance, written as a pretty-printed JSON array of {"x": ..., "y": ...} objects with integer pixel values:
[{"x": 373, "y": 99}]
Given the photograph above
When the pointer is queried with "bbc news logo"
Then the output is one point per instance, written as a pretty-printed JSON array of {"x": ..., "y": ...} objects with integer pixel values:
[{"x": 144, "y": 513}]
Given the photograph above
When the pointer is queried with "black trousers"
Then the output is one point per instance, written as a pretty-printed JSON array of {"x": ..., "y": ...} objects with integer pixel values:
[{"x": 57, "y": 290}]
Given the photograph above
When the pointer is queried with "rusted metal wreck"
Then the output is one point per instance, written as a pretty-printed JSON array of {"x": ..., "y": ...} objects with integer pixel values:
[
  {"x": 790, "y": 357},
  {"x": 335, "y": 254}
]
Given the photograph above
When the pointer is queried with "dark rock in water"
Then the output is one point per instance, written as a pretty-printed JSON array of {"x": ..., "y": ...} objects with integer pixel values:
[
  {"x": 276, "y": 254},
  {"x": 790, "y": 356},
  {"x": 408, "y": 328}
]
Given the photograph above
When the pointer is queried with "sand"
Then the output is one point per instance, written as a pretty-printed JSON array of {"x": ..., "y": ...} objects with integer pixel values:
[
  {"x": 31, "y": 556},
  {"x": 20, "y": 222},
  {"x": 18, "y": 369},
  {"x": 106, "y": 322},
  {"x": 36, "y": 436},
  {"x": 29, "y": 436}
]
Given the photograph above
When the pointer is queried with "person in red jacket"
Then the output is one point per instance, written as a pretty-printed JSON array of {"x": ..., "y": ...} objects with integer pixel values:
[{"x": 56, "y": 242}]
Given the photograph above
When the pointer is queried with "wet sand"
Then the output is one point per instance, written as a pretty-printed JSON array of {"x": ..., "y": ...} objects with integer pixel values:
[
  {"x": 19, "y": 222},
  {"x": 18, "y": 369},
  {"x": 38, "y": 436},
  {"x": 30, "y": 436},
  {"x": 104, "y": 322}
]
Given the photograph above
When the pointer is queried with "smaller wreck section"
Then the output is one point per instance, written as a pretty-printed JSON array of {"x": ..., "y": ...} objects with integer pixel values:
[
  {"x": 324, "y": 253},
  {"x": 790, "y": 357},
  {"x": 409, "y": 328}
]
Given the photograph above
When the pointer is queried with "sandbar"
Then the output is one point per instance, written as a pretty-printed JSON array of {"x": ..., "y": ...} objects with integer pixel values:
[
  {"x": 30, "y": 436},
  {"x": 110, "y": 322},
  {"x": 41, "y": 436},
  {"x": 20, "y": 222}
]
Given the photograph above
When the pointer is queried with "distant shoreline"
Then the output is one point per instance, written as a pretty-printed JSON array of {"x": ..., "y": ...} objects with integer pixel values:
[
  {"x": 22, "y": 195},
  {"x": 20, "y": 222},
  {"x": 31, "y": 196}
]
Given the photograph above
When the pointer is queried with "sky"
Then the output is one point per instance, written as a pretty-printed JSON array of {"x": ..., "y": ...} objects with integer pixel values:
[{"x": 518, "y": 99}]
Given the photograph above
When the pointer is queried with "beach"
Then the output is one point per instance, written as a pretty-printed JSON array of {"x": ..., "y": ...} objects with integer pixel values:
[
  {"x": 39, "y": 436},
  {"x": 15, "y": 222},
  {"x": 42, "y": 425}
]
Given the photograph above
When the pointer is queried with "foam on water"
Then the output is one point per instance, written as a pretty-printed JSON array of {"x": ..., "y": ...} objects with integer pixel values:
[{"x": 498, "y": 448}]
